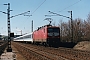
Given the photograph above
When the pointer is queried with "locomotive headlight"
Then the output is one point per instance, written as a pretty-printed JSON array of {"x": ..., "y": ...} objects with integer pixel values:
[
  {"x": 50, "y": 34},
  {"x": 56, "y": 34},
  {"x": 53, "y": 34}
]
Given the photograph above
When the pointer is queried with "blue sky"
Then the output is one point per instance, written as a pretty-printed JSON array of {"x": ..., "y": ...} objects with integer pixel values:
[{"x": 38, "y": 9}]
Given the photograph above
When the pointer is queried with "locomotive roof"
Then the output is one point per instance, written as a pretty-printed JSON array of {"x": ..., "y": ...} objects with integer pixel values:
[{"x": 44, "y": 26}]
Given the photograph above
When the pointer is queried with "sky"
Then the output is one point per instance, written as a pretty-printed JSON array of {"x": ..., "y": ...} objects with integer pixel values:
[{"x": 38, "y": 9}]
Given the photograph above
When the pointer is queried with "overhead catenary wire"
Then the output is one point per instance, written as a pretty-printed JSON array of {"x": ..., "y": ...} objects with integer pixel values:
[
  {"x": 38, "y": 7},
  {"x": 35, "y": 9},
  {"x": 70, "y": 6}
]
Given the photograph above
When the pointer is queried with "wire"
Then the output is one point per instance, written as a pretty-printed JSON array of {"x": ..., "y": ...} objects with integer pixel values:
[
  {"x": 70, "y": 5},
  {"x": 38, "y": 6}
]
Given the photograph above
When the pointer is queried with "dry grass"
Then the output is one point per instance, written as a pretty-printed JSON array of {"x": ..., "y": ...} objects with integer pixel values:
[{"x": 84, "y": 45}]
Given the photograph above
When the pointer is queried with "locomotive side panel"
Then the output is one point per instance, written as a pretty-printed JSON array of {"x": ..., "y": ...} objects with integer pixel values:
[
  {"x": 40, "y": 35},
  {"x": 35, "y": 35},
  {"x": 44, "y": 34}
]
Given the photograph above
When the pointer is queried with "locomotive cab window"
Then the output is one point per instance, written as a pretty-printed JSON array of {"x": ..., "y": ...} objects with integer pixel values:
[{"x": 53, "y": 31}]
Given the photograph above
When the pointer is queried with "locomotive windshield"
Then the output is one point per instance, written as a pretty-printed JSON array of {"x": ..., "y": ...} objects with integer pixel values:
[{"x": 53, "y": 31}]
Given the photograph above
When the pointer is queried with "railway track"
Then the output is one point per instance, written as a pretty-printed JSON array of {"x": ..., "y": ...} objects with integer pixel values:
[
  {"x": 3, "y": 45},
  {"x": 34, "y": 52},
  {"x": 68, "y": 53}
]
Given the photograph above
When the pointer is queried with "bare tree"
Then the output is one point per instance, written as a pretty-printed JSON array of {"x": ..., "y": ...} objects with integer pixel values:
[
  {"x": 77, "y": 30},
  {"x": 64, "y": 31},
  {"x": 81, "y": 30},
  {"x": 87, "y": 28}
]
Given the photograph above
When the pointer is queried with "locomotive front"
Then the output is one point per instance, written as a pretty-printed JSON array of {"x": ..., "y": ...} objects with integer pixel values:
[{"x": 53, "y": 36}]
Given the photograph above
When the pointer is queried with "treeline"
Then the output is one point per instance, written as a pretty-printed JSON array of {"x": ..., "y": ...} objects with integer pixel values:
[{"x": 81, "y": 30}]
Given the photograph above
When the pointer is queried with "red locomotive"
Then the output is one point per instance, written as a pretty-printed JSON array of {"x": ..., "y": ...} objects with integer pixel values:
[{"x": 47, "y": 35}]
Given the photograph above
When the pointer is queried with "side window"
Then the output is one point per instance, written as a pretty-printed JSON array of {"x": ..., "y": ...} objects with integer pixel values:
[
  {"x": 44, "y": 30},
  {"x": 29, "y": 36}
]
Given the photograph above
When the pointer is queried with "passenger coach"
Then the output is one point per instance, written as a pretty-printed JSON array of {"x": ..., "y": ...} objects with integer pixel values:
[{"x": 24, "y": 38}]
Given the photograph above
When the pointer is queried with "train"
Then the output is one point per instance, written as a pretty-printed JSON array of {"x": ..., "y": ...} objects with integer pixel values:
[{"x": 47, "y": 35}]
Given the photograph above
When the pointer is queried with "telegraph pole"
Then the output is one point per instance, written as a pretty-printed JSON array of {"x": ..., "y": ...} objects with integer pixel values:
[
  {"x": 32, "y": 26},
  {"x": 9, "y": 49},
  {"x": 71, "y": 26}
]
